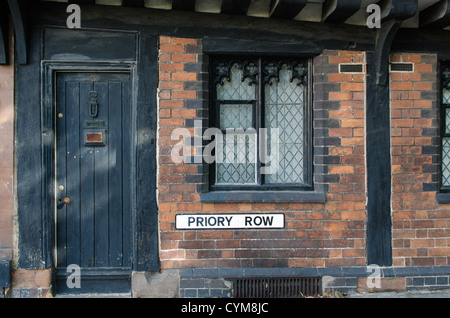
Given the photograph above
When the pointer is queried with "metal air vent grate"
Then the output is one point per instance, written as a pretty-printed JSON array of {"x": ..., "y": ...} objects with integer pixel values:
[
  {"x": 277, "y": 287},
  {"x": 351, "y": 68},
  {"x": 401, "y": 67}
]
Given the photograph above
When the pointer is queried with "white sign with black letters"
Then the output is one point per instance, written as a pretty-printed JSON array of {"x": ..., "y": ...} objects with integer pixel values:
[{"x": 229, "y": 221}]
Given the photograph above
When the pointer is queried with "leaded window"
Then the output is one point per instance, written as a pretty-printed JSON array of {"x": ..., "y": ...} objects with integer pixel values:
[
  {"x": 262, "y": 108},
  {"x": 446, "y": 127}
]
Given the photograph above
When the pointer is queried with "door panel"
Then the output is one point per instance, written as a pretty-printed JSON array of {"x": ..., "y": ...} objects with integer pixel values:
[{"x": 94, "y": 229}]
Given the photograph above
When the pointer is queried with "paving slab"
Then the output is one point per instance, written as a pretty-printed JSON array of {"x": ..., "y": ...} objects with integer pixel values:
[{"x": 442, "y": 293}]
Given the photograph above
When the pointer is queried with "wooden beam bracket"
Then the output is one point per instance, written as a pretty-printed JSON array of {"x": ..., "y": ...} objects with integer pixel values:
[
  {"x": 384, "y": 38},
  {"x": 17, "y": 13},
  {"x": 393, "y": 12}
]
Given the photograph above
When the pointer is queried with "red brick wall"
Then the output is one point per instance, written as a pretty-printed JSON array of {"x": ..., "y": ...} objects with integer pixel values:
[
  {"x": 316, "y": 234},
  {"x": 6, "y": 158},
  {"x": 421, "y": 227}
]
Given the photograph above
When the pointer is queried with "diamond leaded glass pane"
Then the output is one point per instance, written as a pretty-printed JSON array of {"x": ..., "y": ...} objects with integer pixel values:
[
  {"x": 446, "y": 96},
  {"x": 446, "y": 161},
  {"x": 236, "y": 116},
  {"x": 284, "y": 109},
  {"x": 236, "y": 89},
  {"x": 236, "y": 158},
  {"x": 447, "y": 121},
  {"x": 446, "y": 101}
]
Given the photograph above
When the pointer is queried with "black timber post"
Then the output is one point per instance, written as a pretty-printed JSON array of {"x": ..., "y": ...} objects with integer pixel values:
[
  {"x": 378, "y": 132},
  {"x": 379, "y": 221},
  {"x": 32, "y": 253},
  {"x": 146, "y": 236}
]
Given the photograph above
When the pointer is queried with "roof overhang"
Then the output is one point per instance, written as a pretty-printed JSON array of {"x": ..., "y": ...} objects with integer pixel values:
[
  {"x": 408, "y": 14},
  {"x": 414, "y": 13}
]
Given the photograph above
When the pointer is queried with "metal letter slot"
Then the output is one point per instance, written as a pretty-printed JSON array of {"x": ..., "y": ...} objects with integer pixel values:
[{"x": 95, "y": 138}]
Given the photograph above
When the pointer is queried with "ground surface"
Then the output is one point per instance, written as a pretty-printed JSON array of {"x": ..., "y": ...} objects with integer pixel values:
[{"x": 445, "y": 293}]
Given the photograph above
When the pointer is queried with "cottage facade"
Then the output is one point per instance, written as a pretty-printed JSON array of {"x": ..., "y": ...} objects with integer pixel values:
[{"x": 108, "y": 167}]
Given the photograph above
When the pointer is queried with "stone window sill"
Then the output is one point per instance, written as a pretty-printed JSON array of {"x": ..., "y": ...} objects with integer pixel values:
[
  {"x": 263, "y": 196},
  {"x": 443, "y": 198}
]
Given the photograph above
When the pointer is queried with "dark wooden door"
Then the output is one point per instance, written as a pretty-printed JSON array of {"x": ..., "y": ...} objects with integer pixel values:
[{"x": 93, "y": 183}]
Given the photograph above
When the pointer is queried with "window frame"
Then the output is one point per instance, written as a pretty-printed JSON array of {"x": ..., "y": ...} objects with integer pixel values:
[
  {"x": 445, "y": 65},
  {"x": 259, "y": 122}
]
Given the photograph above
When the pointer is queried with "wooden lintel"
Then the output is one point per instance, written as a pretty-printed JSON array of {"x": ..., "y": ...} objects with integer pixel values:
[
  {"x": 235, "y": 6},
  {"x": 286, "y": 9},
  {"x": 16, "y": 8},
  {"x": 437, "y": 16},
  {"x": 337, "y": 11}
]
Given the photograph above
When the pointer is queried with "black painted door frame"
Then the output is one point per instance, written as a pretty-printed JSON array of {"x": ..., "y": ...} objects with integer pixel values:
[{"x": 34, "y": 141}]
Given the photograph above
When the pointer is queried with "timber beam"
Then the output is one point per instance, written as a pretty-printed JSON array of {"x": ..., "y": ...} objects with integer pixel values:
[
  {"x": 133, "y": 3},
  {"x": 184, "y": 5},
  {"x": 337, "y": 11},
  {"x": 235, "y": 6},
  {"x": 437, "y": 16},
  {"x": 398, "y": 9},
  {"x": 286, "y": 9},
  {"x": 82, "y": 1}
]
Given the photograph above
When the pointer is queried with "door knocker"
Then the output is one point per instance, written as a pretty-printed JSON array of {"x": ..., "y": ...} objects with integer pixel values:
[{"x": 94, "y": 104}]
